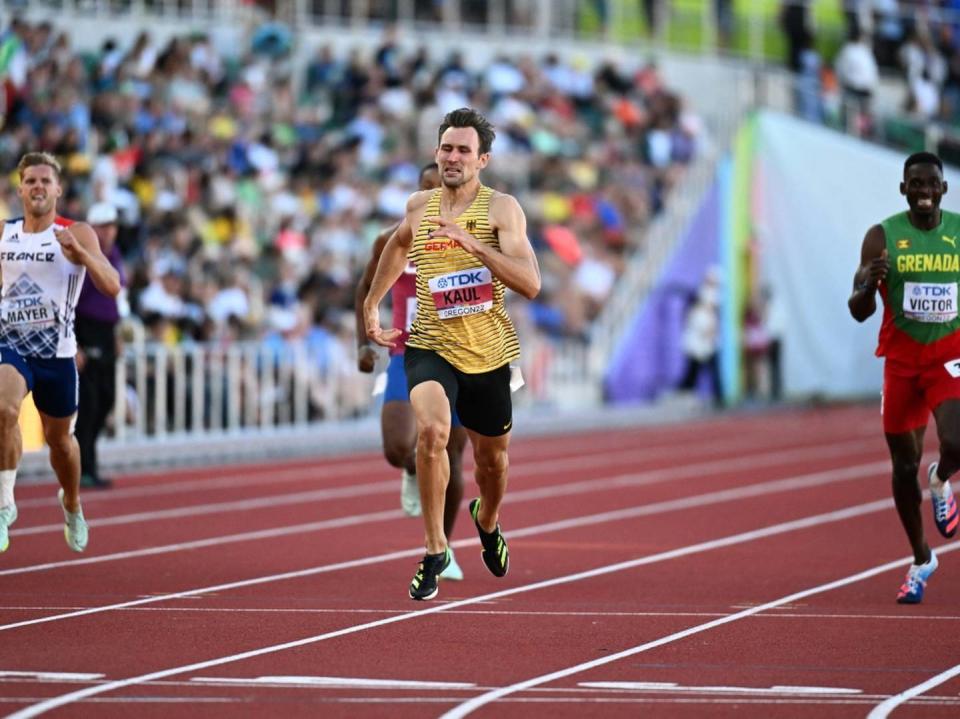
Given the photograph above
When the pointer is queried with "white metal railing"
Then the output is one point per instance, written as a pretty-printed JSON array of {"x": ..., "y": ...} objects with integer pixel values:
[{"x": 212, "y": 390}]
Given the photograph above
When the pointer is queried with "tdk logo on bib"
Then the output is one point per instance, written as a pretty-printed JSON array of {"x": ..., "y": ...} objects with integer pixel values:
[
  {"x": 933, "y": 290},
  {"x": 464, "y": 279},
  {"x": 466, "y": 292}
]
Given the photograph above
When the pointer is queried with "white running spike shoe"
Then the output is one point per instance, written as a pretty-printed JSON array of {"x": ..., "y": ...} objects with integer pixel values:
[
  {"x": 75, "y": 529},
  {"x": 8, "y": 515},
  {"x": 453, "y": 571}
]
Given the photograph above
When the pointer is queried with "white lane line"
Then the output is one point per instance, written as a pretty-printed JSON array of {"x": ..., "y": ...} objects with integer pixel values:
[
  {"x": 475, "y": 703},
  {"x": 605, "y": 449},
  {"x": 882, "y": 710},
  {"x": 332, "y": 682},
  {"x": 262, "y": 475},
  {"x": 244, "y": 477},
  {"x": 434, "y": 699},
  {"x": 674, "y": 687},
  {"x": 500, "y": 613},
  {"x": 804, "y": 481},
  {"x": 140, "y": 700},
  {"x": 669, "y": 701},
  {"x": 689, "y": 550},
  {"x": 699, "y": 470},
  {"x": 584, "y": 690},
  {"x": 257, "y": 536},
  {"x": 696, "y": 501},
  {"x": 243, "y": 505},
  {"x": 50, "y": 676},
  {"x": 684, "y": 471},
  {"x": 571, "y": 464},
  {"x": 570, "y": 488}
]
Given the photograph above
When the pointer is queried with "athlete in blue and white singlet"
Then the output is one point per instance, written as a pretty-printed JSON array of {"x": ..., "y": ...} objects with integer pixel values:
[
  {"x": 43, "y": 260},
  {"x": 39, "y": 292}
]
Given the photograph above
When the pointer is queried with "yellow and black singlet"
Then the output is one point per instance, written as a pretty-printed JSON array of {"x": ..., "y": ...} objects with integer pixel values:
[{"x": 460, "y": 310}]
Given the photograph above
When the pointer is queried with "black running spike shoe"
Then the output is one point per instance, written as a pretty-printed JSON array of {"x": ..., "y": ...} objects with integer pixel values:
[
  {"x": 423, "y": 586},
  {"x": 495, "y": 553}
]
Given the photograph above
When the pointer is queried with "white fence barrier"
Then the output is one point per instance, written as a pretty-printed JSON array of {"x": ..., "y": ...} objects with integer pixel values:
[{"x": 212, "y": 390}]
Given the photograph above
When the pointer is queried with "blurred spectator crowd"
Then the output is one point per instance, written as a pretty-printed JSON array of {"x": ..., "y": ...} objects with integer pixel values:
[
  {"x": 249, "y": 192},
  {"x": 916, "y": 41}
]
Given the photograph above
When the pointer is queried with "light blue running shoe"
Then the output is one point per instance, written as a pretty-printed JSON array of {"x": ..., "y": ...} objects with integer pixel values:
[
  {"x": 8, "y": 515},
  {"x": 75, "y": 529},
  {"x": 453, "y": 571},
  {"x": 911, "y": 591}
]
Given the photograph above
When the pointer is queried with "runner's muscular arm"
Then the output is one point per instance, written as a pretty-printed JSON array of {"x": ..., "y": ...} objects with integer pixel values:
[
  {"x": 366, "y": 355},
  {"x": 873, "y": 269},
  {"x": 389, "y": 268},
  {"x": 81, "y": 247},
  {"x": 515, "y": 264}
]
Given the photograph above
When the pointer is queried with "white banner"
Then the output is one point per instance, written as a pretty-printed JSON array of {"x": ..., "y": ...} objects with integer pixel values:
[{"x": 816, "y": 193}]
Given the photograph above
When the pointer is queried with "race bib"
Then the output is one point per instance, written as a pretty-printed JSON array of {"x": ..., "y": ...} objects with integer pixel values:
[
  {"x": 467, "y": 292},
  {"x": 930, "y": 301},
  {"x": 27, "y": 311}
]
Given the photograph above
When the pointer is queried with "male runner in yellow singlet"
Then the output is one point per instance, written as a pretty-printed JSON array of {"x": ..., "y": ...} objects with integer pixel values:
[{"x": 469, "y": 243}]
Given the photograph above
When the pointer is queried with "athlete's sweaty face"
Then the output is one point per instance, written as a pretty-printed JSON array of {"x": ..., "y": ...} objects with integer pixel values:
[
  {"x": 39, "y": 190},
  {"x": 923, "y": 186},
  {"x": 458, "y": 156}
]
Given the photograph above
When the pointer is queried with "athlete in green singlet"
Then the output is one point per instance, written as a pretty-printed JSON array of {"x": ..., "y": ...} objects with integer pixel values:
[{"x": 913, "y": 260}]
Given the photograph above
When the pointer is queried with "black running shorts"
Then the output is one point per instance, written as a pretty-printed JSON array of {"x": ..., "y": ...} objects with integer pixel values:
[{"x": 482, "y": 400}]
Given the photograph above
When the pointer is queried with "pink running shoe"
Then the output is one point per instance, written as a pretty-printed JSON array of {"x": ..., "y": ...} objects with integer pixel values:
[
  {"x": 945, "y": 514},
  {"x": 911, "y": 591}
]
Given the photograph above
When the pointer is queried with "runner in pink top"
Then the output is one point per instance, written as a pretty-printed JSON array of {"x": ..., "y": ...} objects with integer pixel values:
[{"x": 403, "y": 297}]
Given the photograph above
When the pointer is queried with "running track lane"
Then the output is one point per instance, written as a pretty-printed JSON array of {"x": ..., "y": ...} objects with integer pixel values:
[
  {"x": 310, "y": 661},
  {"x": 260, "y": 521},
  {"x": 574, "y": 541},
  {"x": 328, "y": 479},
  {"x": 723, "y": 490}
]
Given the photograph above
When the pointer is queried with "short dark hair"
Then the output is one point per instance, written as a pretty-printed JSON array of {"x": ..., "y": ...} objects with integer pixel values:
[
  {"x": 468, "y": 117},
  {"x": 33, "y": 159},
  {"x": 426, "y": 168},
  {"x": 922, "y": 158}
]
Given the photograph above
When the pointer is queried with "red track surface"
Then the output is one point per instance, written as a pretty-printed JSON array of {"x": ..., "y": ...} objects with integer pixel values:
[{"x": 641, "y": 561}]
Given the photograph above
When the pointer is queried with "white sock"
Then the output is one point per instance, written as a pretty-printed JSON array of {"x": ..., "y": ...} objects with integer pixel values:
[
  {"x": 937, "y": 485},
  {"x": 7, "y": 479}
]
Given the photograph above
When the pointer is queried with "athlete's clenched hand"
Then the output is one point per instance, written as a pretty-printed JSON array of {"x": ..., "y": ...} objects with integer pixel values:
[
  {"x": 366, "y": 358},
  {"x": 72, "y": 249},
  {"x": 451, "y": 230},
  {"x": 877, "y": 270}
]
